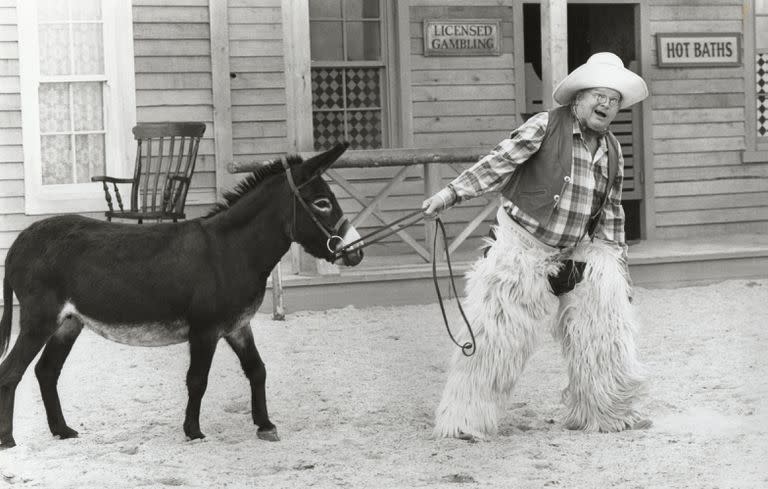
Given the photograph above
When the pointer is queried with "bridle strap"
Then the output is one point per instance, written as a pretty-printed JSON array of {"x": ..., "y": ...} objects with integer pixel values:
[{"x": 297, "y": 196}]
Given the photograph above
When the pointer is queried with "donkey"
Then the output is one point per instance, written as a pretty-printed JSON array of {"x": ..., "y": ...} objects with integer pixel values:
[{"x": 166, "y": 283}]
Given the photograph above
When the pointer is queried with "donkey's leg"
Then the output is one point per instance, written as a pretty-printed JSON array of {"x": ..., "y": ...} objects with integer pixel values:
[
  {"x": 48, "y": 369},
  {"x": 34, "y": 330},
  {"x": 201, "y": 349},
  {"x": 242, "y": 343}
]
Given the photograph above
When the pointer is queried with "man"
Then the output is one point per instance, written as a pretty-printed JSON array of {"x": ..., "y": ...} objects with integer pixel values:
[{"x": 560, "y": 222}]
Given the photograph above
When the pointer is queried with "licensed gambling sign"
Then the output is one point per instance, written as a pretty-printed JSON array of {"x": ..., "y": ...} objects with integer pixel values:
[
  {"x": 698, "y": 50},
  {"x": 476, "y": 37}
]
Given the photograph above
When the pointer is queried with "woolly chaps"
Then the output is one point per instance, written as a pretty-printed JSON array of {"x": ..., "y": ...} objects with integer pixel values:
[{"x": 509, "y": 301}]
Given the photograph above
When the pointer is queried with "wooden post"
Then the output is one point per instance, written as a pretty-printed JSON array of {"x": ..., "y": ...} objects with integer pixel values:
[
  {"x": 433, "y": 182},
  {"x": 278, "y": 308},
  {"x": 222, "y": 103},
  {"x": 554, "y": 47}
]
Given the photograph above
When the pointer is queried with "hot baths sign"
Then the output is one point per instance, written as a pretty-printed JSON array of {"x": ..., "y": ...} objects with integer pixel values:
[
  {"x": 698, "y": 50},
  {"x": 477, "y": 37}
]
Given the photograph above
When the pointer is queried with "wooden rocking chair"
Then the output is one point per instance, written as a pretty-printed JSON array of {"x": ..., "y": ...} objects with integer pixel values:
[{"x": 165, "y": 161}]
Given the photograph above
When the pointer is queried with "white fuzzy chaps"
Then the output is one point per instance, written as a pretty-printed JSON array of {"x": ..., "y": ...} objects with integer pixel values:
[
  {"x": 508, "y": 301},
  {"x": 596, "y": 329}
]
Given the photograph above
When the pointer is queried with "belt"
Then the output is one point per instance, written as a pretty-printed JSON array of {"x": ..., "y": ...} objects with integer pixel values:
[{"x": 521, "y": 233}]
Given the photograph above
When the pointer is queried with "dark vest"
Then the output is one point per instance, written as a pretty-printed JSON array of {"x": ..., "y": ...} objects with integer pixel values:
[{"x": 537, "y": 184}]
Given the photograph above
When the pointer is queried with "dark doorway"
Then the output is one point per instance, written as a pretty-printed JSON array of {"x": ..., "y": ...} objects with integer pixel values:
[{"x": 594, "y": 28}]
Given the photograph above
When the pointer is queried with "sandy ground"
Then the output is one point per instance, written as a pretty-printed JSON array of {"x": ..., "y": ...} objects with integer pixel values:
[{"x": 353, "y": 391}]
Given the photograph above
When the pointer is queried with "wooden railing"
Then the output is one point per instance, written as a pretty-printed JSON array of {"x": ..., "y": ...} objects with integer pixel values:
[
  {"x": 435, "y": 164},
  {"x": 434, "y": 161}
]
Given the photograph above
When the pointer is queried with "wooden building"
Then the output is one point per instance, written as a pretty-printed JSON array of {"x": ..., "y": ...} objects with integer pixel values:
[{"x": 270, "y": 76}]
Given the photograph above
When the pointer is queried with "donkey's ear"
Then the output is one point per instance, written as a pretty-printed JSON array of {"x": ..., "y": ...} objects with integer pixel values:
[{"x": 319, "y": 163}]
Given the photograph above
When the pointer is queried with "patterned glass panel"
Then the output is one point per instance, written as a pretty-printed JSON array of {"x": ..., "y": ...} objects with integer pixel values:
[
  {"x": 328, "y": 129},
  {"x": 54, "y": 107},
  {"x": 363, "y": 88},
  {"x": 327, "y": 88},
  {"x": 89, "y": 106},
  {"x": 364, "y": 129},
  {"x": 56, "y": 153},
  {"x": 87, "y": 48},
  {"x": 54, "y": 49},
  {"x": 761, "y": 87},
  {"x": 89, "y": 154}
]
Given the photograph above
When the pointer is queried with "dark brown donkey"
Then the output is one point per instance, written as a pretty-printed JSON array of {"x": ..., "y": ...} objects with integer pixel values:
[{"x": 161, "y": 284}]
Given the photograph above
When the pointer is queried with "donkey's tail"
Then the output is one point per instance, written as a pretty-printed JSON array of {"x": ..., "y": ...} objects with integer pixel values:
[{"x": 5, "y": 322}]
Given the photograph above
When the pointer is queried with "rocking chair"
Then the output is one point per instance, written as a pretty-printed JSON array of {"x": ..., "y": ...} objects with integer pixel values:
[{"x": 165, "y": 161}]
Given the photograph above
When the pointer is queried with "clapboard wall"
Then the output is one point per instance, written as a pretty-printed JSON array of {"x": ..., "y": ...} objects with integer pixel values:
[
  {"x": 258, "y": 87},
  {"x": 701, "y": 185},
  {"x": 462, "y": 101},
  {"x": 12, "y": 219},
  {"x": 172, "y": 60}
]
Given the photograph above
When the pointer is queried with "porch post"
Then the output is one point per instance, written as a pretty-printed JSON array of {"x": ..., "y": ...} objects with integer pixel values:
[
  {"x": 298, "y": 104},
  {"x": 554, "y": 47}
]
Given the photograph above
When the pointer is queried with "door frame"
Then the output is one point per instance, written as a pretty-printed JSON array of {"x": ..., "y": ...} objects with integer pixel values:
[{"x": 643, "y": 48}]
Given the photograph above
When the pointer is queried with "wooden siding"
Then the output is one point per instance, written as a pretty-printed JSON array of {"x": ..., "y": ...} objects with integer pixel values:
[
  {"x": 172, "y": 57},
  {"x": 700, "y": 183},
  {"x": 259, "y": 128},
  {"x": 12, "y": 218},
  {"x": 463, "y": 101}
]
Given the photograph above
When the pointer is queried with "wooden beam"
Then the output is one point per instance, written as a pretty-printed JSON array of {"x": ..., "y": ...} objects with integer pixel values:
[
  {"x": 554, "y": 47},
  {"x": 222, "y": 103}
]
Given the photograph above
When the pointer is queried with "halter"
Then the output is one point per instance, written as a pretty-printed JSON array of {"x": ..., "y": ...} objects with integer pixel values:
[{"x": 332, "y": 233}]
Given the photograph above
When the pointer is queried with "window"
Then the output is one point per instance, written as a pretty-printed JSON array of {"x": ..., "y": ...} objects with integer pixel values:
[
  {"x": 77, "y": 103},
  {"x": 761, "y": 68},
  {"x": 349, "y": 73},
  {"x": 756, "y": 61}
]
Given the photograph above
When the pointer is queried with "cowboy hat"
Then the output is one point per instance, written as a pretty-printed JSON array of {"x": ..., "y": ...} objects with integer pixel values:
[{"x": 602, "y": 70}]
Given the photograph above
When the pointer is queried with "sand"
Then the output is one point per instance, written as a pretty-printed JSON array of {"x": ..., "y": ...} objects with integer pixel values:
[{"x": 353, "y": 391}]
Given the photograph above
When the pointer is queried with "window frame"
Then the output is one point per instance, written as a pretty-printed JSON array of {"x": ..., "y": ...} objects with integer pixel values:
[
  {"x": 756, "y": 148},
  {"x": 119, "y": 97},
  {"x": 390, "y": 113}
]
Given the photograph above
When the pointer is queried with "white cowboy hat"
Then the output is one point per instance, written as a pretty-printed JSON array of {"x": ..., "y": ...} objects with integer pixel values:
[{"x": 602, "y": 70}]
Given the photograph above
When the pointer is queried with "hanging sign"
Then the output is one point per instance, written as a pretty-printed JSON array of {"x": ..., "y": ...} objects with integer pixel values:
[
  {"x": 475, "y": 37},
  {"x": 698, "y": 50}
]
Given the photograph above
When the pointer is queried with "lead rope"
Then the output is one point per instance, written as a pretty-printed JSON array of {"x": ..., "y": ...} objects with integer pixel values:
[{"x": 467, "y": 349}]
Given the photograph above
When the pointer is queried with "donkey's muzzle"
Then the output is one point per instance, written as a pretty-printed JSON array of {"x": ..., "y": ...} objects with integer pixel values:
[{"x": 348, "y": 246}]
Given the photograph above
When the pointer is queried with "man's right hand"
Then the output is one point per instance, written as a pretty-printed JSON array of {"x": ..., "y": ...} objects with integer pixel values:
[{"x": 437, "y": 203}]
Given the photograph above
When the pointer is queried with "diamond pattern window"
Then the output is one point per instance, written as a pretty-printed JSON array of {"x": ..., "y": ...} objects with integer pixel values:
[{"x": 348, "y": 73}]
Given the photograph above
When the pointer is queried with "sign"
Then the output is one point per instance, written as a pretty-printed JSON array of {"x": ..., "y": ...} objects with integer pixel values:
[
  {"x": 698, "y": 50},
  {"x": 475, "y": 37}
]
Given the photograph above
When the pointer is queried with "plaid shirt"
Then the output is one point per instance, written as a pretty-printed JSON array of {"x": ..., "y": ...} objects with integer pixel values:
[{"x": 580, "y": 198}]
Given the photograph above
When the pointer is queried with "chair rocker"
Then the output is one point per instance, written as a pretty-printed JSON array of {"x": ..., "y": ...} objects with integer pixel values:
[{"x": 165, "y": 161}]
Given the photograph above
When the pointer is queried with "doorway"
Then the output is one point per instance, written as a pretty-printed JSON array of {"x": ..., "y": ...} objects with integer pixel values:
[{"x": 594, "y": 28}]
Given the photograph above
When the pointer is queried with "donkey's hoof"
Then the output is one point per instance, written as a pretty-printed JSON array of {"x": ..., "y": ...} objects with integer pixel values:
[
  {"x": 269, "y": 434},
  {"x": 64, "y": 433},
  {"x": 7, "y": 443}
]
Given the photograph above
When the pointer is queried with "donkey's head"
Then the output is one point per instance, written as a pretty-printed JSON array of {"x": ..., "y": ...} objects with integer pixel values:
[{"x": 317, "y": 221}]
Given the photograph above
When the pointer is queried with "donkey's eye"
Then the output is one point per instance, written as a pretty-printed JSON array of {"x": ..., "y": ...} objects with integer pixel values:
[{"x": 322, "y": 205}]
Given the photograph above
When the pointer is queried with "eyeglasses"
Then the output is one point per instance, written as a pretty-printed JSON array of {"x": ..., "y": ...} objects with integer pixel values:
[{"x": 601, "y": 99}]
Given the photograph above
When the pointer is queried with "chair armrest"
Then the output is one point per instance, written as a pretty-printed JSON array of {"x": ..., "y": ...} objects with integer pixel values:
[{"x": 101, "y": 178}]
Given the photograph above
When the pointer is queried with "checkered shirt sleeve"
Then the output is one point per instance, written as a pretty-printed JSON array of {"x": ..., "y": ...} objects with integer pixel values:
[{"x": 493, "y": 170}]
